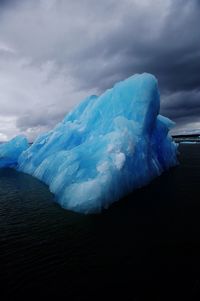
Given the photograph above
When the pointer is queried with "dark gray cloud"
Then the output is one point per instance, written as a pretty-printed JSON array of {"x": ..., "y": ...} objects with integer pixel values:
[
  {"x": 184, "y": 108},
  {"x": 53, "y": 53}
]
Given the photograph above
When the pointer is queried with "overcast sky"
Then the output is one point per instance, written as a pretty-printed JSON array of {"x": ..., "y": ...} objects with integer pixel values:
[{"x": 54, "y": 53}]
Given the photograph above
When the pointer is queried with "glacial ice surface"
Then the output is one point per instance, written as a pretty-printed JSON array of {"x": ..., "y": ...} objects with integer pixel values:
[
  {"x": 105, "y": 148},
  {"x": 189, "y": 142}
]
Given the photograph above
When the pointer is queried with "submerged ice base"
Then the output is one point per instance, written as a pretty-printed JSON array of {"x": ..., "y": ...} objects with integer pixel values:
[{"x": 105, "y": 148}]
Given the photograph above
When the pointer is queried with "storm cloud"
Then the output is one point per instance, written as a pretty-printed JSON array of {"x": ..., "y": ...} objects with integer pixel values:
[{"x": 54, "y": 53}]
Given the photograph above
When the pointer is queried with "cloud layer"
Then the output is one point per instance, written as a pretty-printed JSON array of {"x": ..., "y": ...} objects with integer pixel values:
[{"x": 54, "y": 53}]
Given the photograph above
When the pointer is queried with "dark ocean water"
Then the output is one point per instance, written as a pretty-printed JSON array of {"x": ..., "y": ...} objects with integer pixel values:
[{"x": 145, "y": 247}]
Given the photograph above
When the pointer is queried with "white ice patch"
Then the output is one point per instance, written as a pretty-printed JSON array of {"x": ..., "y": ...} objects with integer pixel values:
[
  {"x": 103, "y": 167},
  {"x": 119, "y": 160}
]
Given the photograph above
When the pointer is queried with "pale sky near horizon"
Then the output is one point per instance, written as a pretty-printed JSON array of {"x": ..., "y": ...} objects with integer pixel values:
[{"x": 54, "y": 53}]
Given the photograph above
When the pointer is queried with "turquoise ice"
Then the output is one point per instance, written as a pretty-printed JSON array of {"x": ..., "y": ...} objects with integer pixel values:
[{"x": 105, "y": 148}]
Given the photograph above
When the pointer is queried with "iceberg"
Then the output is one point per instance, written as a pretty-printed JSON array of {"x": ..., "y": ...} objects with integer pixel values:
[
  {"x": 102, "y": 150},
  {"x": 10, "y": 151}
]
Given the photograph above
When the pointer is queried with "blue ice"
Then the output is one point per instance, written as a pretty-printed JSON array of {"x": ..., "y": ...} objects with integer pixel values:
[
  {"x": 105, "y": 148},
  {"x": 10, "y": 151}
]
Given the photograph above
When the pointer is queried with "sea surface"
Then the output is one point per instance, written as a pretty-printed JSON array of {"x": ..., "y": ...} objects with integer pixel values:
[{"x": 144, "y": 247}]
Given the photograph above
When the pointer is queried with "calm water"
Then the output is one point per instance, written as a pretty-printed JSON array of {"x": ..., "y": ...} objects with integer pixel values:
[{"x": 144, "y": 247}]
